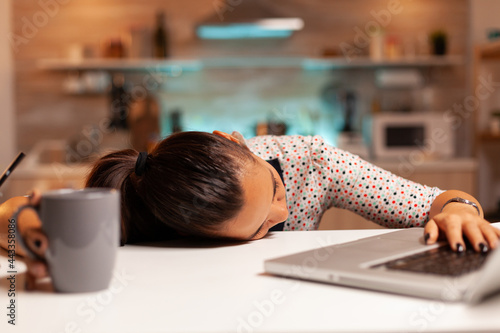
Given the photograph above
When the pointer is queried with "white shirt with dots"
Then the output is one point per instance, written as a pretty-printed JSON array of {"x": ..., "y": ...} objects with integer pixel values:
[{"x": 318, "y": 176}]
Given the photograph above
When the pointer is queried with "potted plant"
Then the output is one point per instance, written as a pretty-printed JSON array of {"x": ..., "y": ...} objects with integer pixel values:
[{"x": 438, "y": 41}]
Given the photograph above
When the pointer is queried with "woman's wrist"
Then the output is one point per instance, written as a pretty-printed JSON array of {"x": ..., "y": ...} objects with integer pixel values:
[
  {"x": 461, "y": 201},
  {"x": 441, "y": 203}
]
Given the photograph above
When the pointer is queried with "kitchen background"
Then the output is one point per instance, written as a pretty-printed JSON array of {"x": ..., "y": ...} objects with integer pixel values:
[
  {"x": 225, "y": 94},
  {"x": 78, "y": 66}
]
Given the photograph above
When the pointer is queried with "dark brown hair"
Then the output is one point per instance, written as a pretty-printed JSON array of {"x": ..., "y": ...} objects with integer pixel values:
[{"x": 191, "y": 186}]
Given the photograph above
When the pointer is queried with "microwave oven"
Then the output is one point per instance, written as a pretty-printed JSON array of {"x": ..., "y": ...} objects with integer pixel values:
[{"x": 399, "y": 134}]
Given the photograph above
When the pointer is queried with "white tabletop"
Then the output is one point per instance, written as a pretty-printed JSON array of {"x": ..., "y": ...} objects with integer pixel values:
[{"x": 210, "y": 288}]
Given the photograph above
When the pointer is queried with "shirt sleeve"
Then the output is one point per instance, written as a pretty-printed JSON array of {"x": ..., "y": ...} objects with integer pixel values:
[{"x": 318, "y": 176}]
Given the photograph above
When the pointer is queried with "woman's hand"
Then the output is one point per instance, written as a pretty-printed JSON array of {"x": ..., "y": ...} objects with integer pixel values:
[
  {"x": 235, "y": 137},
  {"x": 29, "y": 227},
  {"x": 35, "y": 239},
  {"x": 455, "y": 219},
  {"x": 37, "y": 268},
  {"x": 240, "y": 138}
]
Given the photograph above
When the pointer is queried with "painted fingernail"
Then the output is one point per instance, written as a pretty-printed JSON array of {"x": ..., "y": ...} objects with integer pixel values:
[
  {"x": 460, "y": 248},
  {"x": 483, "y": 247},
  {"x": 426, "y": 237}
]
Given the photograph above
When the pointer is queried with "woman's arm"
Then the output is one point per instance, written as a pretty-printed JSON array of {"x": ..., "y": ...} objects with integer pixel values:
[
  {"x": 346, "y": 181},
  {"x": 455, "y": 219}
]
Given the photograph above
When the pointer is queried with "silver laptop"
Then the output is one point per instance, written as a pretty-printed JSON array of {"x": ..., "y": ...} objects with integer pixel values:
[{"x": 397, "y": 262}]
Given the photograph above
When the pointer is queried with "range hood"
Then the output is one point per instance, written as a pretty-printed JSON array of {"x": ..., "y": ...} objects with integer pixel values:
[{"x": 244, "y": 19}]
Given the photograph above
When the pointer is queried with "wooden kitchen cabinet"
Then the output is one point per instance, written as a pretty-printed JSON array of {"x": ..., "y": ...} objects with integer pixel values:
[{"x": 485, "y": 89}]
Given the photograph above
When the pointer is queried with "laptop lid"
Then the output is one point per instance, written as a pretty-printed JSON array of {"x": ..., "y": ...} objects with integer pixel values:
[{"x": 358, "y": 264}]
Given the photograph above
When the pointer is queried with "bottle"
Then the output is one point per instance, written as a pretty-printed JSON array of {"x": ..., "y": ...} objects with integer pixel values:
[
  {"x": 120, "y": 100},
  {"x": 377, "y": 45},
  {"x": 144, "y": 123},
  {"x": 160, "y": 37},
  {"x": 175, "y": 119}
]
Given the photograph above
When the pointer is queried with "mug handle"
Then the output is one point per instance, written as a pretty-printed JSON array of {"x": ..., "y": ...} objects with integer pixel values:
[{"x": 32, "y": 255}]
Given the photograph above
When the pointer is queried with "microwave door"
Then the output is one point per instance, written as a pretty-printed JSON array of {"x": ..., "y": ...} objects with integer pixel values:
[{"x": 404, "y": 136}]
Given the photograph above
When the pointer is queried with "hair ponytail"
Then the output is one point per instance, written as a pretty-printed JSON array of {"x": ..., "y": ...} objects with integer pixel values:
[{"x": 117, "y": 170}]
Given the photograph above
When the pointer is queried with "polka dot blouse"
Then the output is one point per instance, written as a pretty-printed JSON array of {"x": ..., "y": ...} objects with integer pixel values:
[{"x": 318, "y": 176}]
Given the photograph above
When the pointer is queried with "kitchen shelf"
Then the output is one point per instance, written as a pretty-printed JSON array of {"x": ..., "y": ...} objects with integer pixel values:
[
  {"x": 186, "y": 65},
  {"x": 102, "y": 64},
  {"x": 365, "y": 62}
]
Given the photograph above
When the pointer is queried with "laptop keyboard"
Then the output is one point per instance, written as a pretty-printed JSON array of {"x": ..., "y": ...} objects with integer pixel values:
[{"x": 442, "y": 261}]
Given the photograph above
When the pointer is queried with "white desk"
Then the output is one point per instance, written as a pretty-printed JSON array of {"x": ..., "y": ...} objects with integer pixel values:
[{"x": 223, "y": 289}]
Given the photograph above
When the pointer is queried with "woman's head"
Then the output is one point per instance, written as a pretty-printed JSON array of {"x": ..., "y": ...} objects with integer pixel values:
[{"x": 194, "y": 183}]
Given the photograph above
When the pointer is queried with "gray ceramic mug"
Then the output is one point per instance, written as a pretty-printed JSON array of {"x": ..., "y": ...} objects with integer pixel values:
[{"x": 82, "y": 229}]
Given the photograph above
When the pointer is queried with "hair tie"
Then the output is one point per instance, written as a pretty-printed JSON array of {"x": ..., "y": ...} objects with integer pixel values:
[{"x": 140, "y": 164}]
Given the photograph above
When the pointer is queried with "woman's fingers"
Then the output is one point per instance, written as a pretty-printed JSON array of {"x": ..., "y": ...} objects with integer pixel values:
[
  {"x": 475, "y": 237},
  {"x": 491, "y": 234},
  {"x": 454, "y": 233},
  {"x": 431, "y": 232},
  {"x": 34, "y": 197},
  {"x": 481, "y": 235},
  {"x": 36, "y": 240},
  {"x": 451, "y": 225},
  {"x": 37, "y": 269}
]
